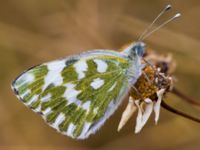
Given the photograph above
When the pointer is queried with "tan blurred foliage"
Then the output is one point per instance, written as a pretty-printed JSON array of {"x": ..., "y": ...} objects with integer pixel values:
[{"x": 36, "y": 31}]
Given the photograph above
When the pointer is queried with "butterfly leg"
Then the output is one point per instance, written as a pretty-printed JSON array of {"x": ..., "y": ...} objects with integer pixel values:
[
  {"x": 136, "y": 90},
  {"x": 147, "y": 78}
]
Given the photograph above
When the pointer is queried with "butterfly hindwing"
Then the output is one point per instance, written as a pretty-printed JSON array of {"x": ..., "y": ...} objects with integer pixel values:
[{"x": 75, "y": 95}]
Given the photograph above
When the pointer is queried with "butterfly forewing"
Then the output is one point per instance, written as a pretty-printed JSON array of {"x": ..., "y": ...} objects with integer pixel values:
[{"x": 77, "y": 94}]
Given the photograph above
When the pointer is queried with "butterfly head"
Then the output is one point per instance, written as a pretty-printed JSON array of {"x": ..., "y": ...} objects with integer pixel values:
[
  {"x": 135, "y": 49},
  {"x": 139, "y": 48}
]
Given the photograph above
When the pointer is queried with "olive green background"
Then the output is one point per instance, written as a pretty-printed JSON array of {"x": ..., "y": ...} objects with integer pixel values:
[{"x": 36, "y": 31}]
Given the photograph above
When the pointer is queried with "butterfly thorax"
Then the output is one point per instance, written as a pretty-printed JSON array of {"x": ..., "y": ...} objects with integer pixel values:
[{"x": 134, "y": 53}]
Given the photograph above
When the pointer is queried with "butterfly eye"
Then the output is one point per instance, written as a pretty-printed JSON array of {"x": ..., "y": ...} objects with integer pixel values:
[{"x": 139, "y": 48}]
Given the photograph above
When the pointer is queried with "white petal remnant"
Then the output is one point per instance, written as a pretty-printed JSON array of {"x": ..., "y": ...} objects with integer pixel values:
[
  {"x": 142, "y": 117},
  {"x": 145, "y": 108},
  {"x": 148, "y": 110},
  {"x": 157, "y": 104},
  {"x": 101, "y": 65},
  {"x": 97, "y": 83},
  {"x": 138, "y": 126},
  {"x": 128, "y": 112}
]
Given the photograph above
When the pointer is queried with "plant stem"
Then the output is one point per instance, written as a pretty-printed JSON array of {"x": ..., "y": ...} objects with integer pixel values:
[
  {"x": 185, "y": 97},
  {"x": 177, "y": 112}
]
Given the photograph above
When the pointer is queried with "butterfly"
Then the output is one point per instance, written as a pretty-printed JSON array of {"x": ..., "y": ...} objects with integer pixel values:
[{"x": 77, "y": 94}]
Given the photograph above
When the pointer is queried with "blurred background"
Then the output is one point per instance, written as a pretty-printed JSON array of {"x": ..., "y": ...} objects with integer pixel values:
[{"x": 37, "y": 31}]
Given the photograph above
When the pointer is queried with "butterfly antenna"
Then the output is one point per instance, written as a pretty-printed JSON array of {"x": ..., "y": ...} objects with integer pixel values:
[
  {"x": 166, "y": 22},
  {"x": 168, "y": 7}
]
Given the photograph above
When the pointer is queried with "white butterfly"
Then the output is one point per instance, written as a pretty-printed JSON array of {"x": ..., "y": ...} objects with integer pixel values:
[{"x": 76, "y": 95}]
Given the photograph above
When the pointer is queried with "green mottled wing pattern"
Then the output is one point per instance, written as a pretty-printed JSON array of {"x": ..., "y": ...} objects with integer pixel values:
[{"x": 75, "y": 95}]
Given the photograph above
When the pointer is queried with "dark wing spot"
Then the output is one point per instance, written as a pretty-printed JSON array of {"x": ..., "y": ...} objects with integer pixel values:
[{"x": 71, "y": 61}]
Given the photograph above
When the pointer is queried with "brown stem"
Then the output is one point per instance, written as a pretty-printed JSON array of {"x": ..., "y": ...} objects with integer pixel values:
[
  {"x": 185, "y": 97},
  {"x": 177, "y": 112}
]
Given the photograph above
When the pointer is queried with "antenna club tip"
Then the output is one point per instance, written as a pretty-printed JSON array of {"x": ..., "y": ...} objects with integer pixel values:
[
  {"x": 177, "y": 15},
  {"x": 168, "y": 7}
]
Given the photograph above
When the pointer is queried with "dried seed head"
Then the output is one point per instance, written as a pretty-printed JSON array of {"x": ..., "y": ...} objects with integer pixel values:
[
  {"x": 145, "y": 88},
  {"x": 158, "y": 76}
]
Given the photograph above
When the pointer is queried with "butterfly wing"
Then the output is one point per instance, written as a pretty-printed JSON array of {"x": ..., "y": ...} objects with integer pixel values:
[{"x": 75, "y": 95}]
